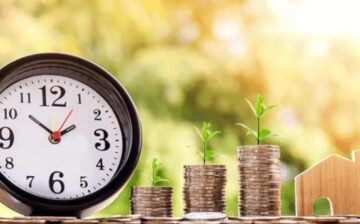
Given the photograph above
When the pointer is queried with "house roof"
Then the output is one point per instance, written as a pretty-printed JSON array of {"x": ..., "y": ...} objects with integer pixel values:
[{"x": 322, "y": 162}]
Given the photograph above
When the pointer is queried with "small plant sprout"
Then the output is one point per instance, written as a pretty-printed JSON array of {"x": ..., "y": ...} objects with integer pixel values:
[
  {"x": 259, "y": 110},
  {"x": 156, "y": 179},
  {"x": 205, "y": 135}
]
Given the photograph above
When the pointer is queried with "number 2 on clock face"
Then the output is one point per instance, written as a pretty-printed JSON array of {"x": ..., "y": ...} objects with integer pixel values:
[{"x": 59, "y": 138}]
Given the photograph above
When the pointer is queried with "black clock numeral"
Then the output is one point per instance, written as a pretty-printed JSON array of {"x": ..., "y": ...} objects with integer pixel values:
[
  {"x": 10, "y": 113},
  {"x": 58, "y": 182},
  {"x": 62, "y": 93},
  {"x": 25, "y": 98},
  {"x": 100, "y": 164},
  {"x": 31, "y": 178},
  {"x": 54, "y": 90},
  {"x": 43, "y": 93},
  {"x": 6, "y": 135},
  {"x": 97, "y": 113},
  {"x": 104, "y": 144},
  {"x": 9, "y": 163},
  {"x": 79, "y": 98},
  {"x": 83, "y": 182}
]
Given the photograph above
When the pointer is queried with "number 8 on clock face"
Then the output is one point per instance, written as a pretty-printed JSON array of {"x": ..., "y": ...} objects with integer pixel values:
[{"x": 69, "y": 134}]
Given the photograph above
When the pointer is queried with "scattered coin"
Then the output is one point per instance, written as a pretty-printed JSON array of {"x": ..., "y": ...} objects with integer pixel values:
[{"x": 205, "y": 216}]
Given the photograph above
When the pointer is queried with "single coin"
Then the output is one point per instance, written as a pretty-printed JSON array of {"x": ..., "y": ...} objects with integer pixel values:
[
  {"x": 324, "y": 218},
  {"x": 205, "y": 216}
]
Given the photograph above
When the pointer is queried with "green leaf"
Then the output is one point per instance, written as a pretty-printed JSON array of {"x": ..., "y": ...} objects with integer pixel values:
[
  {"x": 269, "y": 108},
  {"x": 209, "y": 154},
  {"x": 155, "y": 178},
  {"x": 259, "y": 105},
  {"x": 158, "y": 179},
  {"x": 201, "y": 154},
  {"x": 205, "y": 131},
  {"x": 251, "y": 106},
  {"x": 264, "y": 133},
  {"x": 249, "y": 130},
  {"x": 249, "y": 133},
  {"x": 199, "y": 133},
  {"x": 214, "y": 134}
]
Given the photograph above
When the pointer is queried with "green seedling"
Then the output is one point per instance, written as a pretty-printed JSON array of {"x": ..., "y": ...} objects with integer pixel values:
[
  {"x": 206, "y": 134},
  {"x": 156, "y": 179},
  {"x": 259, "y": 110}
]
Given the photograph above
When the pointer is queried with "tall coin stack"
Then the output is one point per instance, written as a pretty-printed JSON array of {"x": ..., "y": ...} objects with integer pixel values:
[
  {"x": 260, "y": 181},
  {"x": 204, "y": 189},
  {"x": 152, "y": 201}
]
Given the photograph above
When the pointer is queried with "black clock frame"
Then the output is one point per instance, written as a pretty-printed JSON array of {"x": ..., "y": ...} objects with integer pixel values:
[{"x": 124, "y": 108}]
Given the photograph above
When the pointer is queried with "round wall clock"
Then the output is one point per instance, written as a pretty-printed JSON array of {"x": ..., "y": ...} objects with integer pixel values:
[{"x": 70, "y": 136}]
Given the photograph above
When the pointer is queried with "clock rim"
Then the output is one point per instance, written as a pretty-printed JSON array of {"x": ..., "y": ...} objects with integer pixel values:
[{"x": 41, "y": 205}]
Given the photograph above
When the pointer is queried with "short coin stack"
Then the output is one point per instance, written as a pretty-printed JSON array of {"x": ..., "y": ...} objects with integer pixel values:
[
  {"x": 260, "y": 182},
  {"x": 152, "y": 201},
  {"x": 204, "y": 189}
]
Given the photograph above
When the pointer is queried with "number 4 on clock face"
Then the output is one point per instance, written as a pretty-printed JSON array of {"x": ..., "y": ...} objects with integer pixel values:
[{"x": 75, "y": 137}]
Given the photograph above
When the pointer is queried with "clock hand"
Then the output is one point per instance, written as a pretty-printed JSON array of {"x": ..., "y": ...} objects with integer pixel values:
[
  {"x": 54, "y": 123},
  {"x": 68, "y": 129},
  {"x": 39, "y": 123},
  {"x": 56, "y": 135}
]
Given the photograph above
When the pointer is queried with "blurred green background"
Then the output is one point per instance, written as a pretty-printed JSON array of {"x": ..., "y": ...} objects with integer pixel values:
[{"x": 185, "y": 62}]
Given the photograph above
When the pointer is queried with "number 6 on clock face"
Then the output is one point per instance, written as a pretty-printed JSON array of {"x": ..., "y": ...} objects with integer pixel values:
[{"x": 67, "y": 135}]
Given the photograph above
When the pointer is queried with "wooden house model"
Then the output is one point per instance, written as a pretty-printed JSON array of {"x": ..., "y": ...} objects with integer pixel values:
[{"x": 336, "y": 178}]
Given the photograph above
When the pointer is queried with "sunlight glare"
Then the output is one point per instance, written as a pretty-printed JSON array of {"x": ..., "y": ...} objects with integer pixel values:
[
  {"x": 229, "y": 31},
  {"x": 324, "y": 17}
]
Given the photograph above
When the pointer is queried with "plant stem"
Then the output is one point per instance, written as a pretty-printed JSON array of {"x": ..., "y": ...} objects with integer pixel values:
[
  {"x": 153, "y": 177},
  {"x": 258, "y": 130},
  {"x": 204, "y": 160}
]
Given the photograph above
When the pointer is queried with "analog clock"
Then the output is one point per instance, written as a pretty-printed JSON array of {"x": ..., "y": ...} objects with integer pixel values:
[{"x": 69, "y": 136}]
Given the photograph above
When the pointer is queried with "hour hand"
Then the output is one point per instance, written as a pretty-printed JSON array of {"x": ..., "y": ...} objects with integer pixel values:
[
  {"x": 40, "y": 124},
  {"x": 68, "y": 129}
]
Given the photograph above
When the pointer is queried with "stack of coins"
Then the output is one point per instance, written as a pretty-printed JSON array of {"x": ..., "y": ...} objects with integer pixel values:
[
  {"x": 152, "y": 201},
  {"x": 204, "y": 189},
  {"x": 260, "y": 181}
]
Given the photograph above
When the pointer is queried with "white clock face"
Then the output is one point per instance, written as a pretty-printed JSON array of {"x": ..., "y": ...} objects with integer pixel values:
[{"x": 59, "y": 139}]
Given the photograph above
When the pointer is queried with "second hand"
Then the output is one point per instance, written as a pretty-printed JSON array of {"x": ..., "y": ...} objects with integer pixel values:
[{"x": 56, "y": 135}]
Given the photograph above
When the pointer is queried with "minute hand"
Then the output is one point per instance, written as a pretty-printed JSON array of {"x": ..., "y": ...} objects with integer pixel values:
[
  {"x": 39, "y": 123},
  {"x": 68, "y": 129}
]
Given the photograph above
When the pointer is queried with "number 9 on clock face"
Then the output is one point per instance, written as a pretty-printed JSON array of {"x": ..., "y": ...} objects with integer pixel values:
[{"x": 69, "y": 133}]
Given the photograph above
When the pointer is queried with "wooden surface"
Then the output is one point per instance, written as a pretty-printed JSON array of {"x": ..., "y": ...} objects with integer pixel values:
[{"x": 336, "y": 178}]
